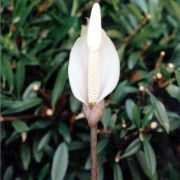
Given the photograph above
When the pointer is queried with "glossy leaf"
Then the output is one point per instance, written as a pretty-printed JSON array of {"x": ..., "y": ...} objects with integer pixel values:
[
  {"x": 132, "y": 111},
  {"x": 19, "y": 77},
  {"x": 174, "y": 91},
  {"x": 102, "y": 144},
  {"x": 150, "y": 156},
  {"x": 133, "y": 58},
  {"x": 117, "y": 172},
  {"x": 19, "y": 106},
  {"x": 44, "y": 172},
  {"x": 6, "y": 70},
  {"x": 8, "y": 175},
  {"x": 44, "y": 141},
  {"x": 59, "y": 84},
  {"x": 20, "y": 126},
  {"x": 144, "y": 165},
  {"x": 106, "y": 119},
  {"x": 132, "y": 148},
  {"x": 25, "y": 156},
  {"x": 38, "y": 154},
  {"x": 178, "y": 77},
  {"x": 160, "y": 112},
  {"x": 60, "y": 162},
  {"x": 64, "y": 131},
  {"x": 74, "y": 104}
]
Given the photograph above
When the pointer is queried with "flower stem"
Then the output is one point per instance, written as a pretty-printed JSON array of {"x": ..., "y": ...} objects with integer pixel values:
[{"x": 93, "y": 152}]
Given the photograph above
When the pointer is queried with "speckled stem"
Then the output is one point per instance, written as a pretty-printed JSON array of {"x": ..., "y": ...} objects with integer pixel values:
[
  {"x": 93, "y": 115},
  {"x": 93, "y": 152}
]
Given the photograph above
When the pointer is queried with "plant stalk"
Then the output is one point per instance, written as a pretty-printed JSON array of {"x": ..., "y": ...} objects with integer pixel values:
[{"x": 93, "y": 140}]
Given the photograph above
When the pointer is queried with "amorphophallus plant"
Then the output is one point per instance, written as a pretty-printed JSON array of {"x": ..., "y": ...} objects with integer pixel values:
[{"x": 94, "y": 70}]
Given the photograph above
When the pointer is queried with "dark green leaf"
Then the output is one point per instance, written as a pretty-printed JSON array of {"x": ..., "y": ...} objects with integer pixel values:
[
  {"x": 64, "y": 131},
  {"x": 174, "y": 91},
  {"x": 44, "y": 172},
  {"x": 141, "y": 4},
  {"x": 40, "y": 124},
  {"x": 60, "y": 162},
  {"x": 8, "y": 175},
  {"x": 106, "y": 119},
  {"x": 76, "y": 145},
  {"x": 6, "y": 70},
  {"x": 150, "y": 156},
  {"x": 19, "y": 106},
  {"x": 132, "y": 111},
  {"x": 102, "y": 145},
  {"x": 20, "y": 75},
  {"x": 59, "y": 84},
  {"x": 160, "y": 112},
  {"x": 134, "y": 170},
  {"x": 144, "y": 164},
  {"x": 132, "y": 148},
  {"x": 44, "y": 141},
  {"x": 20, "y": 126},
  {"x": 133, "y": 59},
  {"x": 74, "y": 104},
  {"x": 119, "y": 92},
  {"x": 178, "y": 77},
  {"x": 25, "y": 156},
  {"x": 37, "y": 154},
  {"x": 117, "y": 172}
]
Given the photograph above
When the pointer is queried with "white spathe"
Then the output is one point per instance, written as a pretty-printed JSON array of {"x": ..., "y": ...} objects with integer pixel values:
[{"x": 94, "y": 66}]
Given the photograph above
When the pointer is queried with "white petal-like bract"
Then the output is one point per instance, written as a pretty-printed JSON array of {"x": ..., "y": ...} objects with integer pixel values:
[
  {"x": 94, "y": 66},
  {"x": 77, "y": 70},
  {"x": 109, "y": 67}
]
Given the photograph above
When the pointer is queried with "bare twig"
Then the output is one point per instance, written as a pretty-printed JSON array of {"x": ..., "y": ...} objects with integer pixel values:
[
  {"x": 22, "y": 117},
  {"x": 128, "y": 39},
  {"x": 145, "y": 48},
  {"x": 41, "y": 93},
  {"x": 104, "y": 132},
  {"x": 166, "y": 83},
  {"x": 131, "y": 136},
  {"x": 159, "y": 61}
]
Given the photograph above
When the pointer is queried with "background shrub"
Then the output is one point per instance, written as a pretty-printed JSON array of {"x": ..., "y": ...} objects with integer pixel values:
[{"x": 43, "y": 132}]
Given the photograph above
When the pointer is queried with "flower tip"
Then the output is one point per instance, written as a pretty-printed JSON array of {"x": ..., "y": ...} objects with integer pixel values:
[
  {"x": 94, "y": 28},
  {"x": 96, "y": 6}
]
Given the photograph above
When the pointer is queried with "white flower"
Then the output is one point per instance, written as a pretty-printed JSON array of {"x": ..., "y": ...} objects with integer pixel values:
[{"x": 94, "y": 65}]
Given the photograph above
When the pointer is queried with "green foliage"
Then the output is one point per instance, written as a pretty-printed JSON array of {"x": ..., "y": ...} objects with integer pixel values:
[
  {"x": 44, "y": 135},
  {"x": 60, "y": 162},
  {"x": 117, "y": 172}
]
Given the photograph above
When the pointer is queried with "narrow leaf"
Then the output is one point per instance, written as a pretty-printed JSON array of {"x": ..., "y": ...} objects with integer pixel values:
[
  {"x": 44, "y": 141},
  {"x": 177, "y": 73},
  {"x": 19, "y": 106},
  {"x": 59, "y": 84},
  {"x": 102, "y": 144},
  {"x": 160, "y": 112},
  {"x": 150, "y": 156},
  {"x": 132, "y": 111},
  {"x": 117, "y": 172},
  {"x": 44, "y": 171},
  {"x": 19, "y": 77},
  {"x": 25, "y": 156},
  {"x": 8, "y": 175},
  {"x": 60, "y": 162},
  {"x": 20, "y": 126},
  {"x": 132, "y": 148}
]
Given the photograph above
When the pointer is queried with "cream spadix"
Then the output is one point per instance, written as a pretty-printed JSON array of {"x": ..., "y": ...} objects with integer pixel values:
[{"x": 94, "y": 67}]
